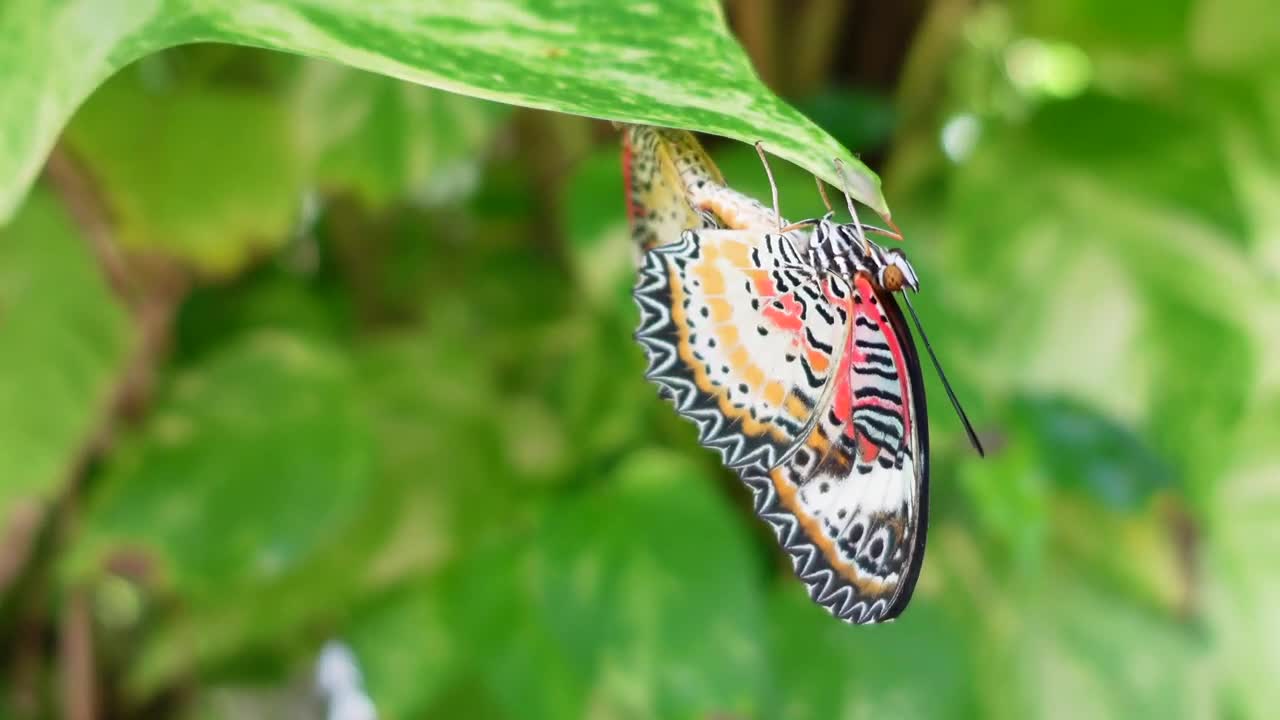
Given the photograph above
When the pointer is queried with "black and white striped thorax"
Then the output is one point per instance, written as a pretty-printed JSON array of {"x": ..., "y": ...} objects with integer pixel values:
[{"x": 844, "y": 249}]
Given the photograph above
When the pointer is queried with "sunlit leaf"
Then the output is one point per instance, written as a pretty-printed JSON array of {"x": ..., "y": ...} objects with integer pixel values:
[
  {"x": 1087, "y": 652},
  {"x": 1226, "y": 35},
  {"x": 1243, "y": 579},
  {"x": 666, "y": 62}
]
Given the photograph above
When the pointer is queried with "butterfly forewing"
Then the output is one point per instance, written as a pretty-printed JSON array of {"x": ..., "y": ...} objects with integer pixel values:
[{"x": 740, "y": 334}]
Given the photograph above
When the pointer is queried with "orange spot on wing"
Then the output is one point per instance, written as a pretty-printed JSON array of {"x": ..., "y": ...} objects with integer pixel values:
[
  {"x": 737, "y": 253},
  {"x": 763, "y": 283},
  {"x": 728, "y": 335},
  {"x": 711, "y": 278},
  {"x": 818, "y": 360},
  {"x": 788, "y": 318},
  {"x": 774, "y": 393},
  {"x": 796, "y": 408},
  {"x": 739, "y": 360}
]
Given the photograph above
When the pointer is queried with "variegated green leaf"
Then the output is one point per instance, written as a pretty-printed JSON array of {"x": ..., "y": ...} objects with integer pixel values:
[{"x": 661, "y": 62}]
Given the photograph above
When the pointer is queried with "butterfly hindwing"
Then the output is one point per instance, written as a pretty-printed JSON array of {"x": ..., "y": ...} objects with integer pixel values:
[
  {"x": 658, "y": 205},
  {"x": 672, "y": 185},
  {"x": 856, "y": 488}
]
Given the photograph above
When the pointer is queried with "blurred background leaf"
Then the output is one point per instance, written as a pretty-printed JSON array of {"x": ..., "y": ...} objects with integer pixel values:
[{"x": 62, "y": 344}]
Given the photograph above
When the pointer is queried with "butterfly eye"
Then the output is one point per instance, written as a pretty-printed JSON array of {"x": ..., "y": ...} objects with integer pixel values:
[
  {"x": 891, "y": 278},
  {"x": 896, "y": 273}
]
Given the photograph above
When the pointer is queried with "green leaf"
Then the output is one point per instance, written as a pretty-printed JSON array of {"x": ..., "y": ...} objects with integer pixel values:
[
  {"x": 647, "y": 586},
  {"x": 916, "y": 667},
  {"x": 383, "y": 139},
  {"x": 664, "y": 62},
  {"x": 1088, "y": 649},
  {"x": 1227, "y": 35},
  {"x": 1098, "y": 274},
  {"x": 252, "y": 464},
  {"x": 462, "y": 622},
  {"x": 436, "y": 414},
  {"x": 63, "y": 340},
  {"x": 210, "y": 176},
  {"x": 408, "y": 650},
  {"x": 253, "y": 478},
  {"x": 1243, "y": 583},
  {"x": 1084, "y": 450},
  {"x": 599, "y": 245}
]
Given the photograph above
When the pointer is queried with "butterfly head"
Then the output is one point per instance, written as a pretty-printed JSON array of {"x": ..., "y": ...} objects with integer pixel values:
[{"x": 895, "y": 272}]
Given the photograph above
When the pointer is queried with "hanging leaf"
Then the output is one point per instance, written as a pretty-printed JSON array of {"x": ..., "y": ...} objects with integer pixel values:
[{"x": 663, "y": 62}]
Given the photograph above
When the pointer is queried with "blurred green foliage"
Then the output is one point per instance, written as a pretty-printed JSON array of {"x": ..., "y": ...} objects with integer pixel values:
[{"x": 360, "y": 367}]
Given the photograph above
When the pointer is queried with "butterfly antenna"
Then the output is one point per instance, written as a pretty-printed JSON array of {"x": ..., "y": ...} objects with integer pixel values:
[
  {"x": 853, "y": 211},
  {"x": 822, "y": 190},
  {"x": 773, "y": 187},
  {"x": 955, "y": 402}
]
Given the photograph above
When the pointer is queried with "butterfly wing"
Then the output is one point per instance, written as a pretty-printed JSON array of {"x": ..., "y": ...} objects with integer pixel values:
[
  {"x": 658, "y": 204},
  {"x": 672, "y": 185},
  {"x": 740, "y": 336},
  {"x": 850, "y": 503},
  {"x": 810, "y": 385}
]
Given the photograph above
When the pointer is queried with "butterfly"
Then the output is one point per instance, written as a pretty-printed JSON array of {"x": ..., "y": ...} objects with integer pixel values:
[{"x": 784, "y": 344}]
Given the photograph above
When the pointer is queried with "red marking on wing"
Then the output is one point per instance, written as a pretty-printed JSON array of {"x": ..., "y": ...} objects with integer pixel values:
[
  {"x": 867, "y": 449},
  {"x": 627, "y": 180},
  {"x": 842, "y": 403},
  {"x": 788, "y": 318},
  {"x": 899, "y": 360},
  {"x": 764, "y": 284},
  {"x": 842, "y": 397}
]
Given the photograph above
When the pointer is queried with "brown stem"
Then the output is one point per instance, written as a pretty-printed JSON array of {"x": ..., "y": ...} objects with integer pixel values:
[
  {"x": 1186, "y": 540},
  {"x": 816, "y": 42},
  {"x": 85, "y": 204},
  {"x": 75, "y": 649},
  {"x": 755, "y": 22},
  {"x": 18, "y": 534},
  {"x": 543, "y": 141},
  {"x": 152, "y": 291},
  {"x": 921, "y": 91}
]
